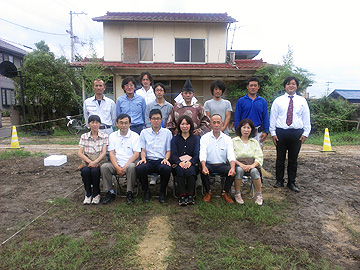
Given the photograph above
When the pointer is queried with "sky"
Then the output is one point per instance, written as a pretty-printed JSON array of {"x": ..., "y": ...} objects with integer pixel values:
[{"x": 324, "y": 35}]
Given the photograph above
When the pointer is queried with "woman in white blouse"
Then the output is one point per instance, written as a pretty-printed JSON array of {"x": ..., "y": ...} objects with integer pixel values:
[{"x": 248, "y": 156}]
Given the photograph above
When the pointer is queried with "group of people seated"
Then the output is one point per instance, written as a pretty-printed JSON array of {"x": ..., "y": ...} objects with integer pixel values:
[{"x": 156, "y": 150}]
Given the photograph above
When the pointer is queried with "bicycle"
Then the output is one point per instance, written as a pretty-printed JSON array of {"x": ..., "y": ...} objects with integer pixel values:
[{"x": 75, "y": 126}]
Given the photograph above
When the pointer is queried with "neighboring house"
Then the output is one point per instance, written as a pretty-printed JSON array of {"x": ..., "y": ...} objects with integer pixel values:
[
  {"x": 353, "y": 96},
  {"x": 172, "y": 47},
  {"x": 15, "y": 55}
]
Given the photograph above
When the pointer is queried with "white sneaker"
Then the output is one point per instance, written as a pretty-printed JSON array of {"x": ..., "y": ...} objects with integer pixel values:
[
  {"x": 259, "y": 199},
  {"x": 87, "y": 200},
  {"x": 238, "y": 198},
  {"x": 96, "y": 199}
]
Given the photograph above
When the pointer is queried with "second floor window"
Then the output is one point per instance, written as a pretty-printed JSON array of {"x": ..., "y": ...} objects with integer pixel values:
[
  {"x": 190, "y": 50},
  {"x": 146, "y": 49},
  {"x": 138, "y": 50}
]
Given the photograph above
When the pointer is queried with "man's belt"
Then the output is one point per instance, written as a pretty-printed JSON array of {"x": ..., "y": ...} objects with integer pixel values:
[{"x": 105, "y": 127}]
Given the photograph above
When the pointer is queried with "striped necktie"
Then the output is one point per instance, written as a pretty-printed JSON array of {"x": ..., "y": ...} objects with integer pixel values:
[{"x": 289, "y": 115}]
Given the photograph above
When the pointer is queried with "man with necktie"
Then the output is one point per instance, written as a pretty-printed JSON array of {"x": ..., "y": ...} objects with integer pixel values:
[{"x": 289, "y": 128}]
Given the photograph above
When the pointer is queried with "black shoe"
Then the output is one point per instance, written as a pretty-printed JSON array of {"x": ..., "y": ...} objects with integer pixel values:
[
  {"x": 146, "y": 196},
  {"x": 129, "y": 197},
  {"x": 182, "y": 201},
  {"x": 293, "y": 187},
  {"x": 109, "y": 197},
  {"x": 278, "y": 184},
  {"x": 190, "y": 200},
  {"x": 162, "y": 198}
]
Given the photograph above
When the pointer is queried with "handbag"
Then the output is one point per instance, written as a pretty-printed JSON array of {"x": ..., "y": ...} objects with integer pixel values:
[
  {"x": 246, "y": 160},
  {"x": 249, "y": 161}
]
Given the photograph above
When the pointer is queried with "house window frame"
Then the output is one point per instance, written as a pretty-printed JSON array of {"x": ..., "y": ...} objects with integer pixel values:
[
  {"x": 4, "y": 96},
  {"x": 190, "y": 60},
  {"x": 152, "y": 50}
]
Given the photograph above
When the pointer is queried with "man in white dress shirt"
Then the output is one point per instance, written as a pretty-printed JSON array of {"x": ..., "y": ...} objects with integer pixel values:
[
  {"x": 146, "y": 91},
  {"x": 217, "y": 156},
  {"x": 102, "y": 106},
  {"x": 289, "y": 128}
]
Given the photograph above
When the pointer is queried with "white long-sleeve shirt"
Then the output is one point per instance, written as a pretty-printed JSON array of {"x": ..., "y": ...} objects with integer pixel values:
[
  {"x": 106, "y": 110},
  {"x": 301, "y": 114}
]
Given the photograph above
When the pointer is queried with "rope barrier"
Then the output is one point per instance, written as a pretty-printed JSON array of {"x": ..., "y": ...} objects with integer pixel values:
[
  {"x": 42, "y": 122},
  {"x": 342, "y": 120},
  {"x": 27, "y": 225}
]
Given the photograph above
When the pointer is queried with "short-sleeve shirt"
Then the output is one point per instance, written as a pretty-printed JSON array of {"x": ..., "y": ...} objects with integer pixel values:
[
  {"x": 124, "y": 146},
  {"x": 218, "y": 107},
  {"x": 155, "y": 144},
  {"x": 93, "y": 146}
]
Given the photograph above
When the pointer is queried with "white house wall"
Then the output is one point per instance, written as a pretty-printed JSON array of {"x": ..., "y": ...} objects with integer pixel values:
[{"x": 163, "y": 35}]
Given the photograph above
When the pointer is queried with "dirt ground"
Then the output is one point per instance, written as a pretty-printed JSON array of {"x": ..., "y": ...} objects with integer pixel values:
[{"x": 324, "y": 216}]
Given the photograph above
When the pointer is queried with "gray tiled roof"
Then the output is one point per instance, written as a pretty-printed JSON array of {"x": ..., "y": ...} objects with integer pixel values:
[
  {"x": 347, "y": 94},
  {"x": 7, "y": 47},
  {"x": 165, "y": 17}
]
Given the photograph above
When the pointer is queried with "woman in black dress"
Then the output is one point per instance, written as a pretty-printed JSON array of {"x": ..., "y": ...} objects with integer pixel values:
[{"x": 185, "y": 149}]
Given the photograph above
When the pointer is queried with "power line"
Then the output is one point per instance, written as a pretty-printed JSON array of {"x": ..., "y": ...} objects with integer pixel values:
[
  {"x": 28, "y": 28},
  {"x": 42, "y": 16},
  {"x": 16, "y": 43}
]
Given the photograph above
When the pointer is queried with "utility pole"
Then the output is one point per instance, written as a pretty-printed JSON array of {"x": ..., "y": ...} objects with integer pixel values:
[
  {"x": 327, "y": 90},
  {"x": 73, "y": 39}
]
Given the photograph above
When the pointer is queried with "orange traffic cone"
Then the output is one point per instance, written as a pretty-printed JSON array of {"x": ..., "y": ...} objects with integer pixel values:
[{"x": 14, "y": 139}]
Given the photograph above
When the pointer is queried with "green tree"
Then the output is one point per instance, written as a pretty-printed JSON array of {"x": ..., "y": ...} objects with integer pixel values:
[
  {"x": 52, "y": 89},
  {"x": 92, "y": 70},
  {"x": 335, "y": 114},
  {"x": 272, "y": 77}
]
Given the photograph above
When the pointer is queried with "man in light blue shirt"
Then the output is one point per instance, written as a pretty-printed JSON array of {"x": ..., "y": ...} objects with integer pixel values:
[
  {"x": 132, "y": 104},
  {"x": 155, "y": 153},
  {"x": 217, "y": 156},
  {"x": 102, "y": 106}
]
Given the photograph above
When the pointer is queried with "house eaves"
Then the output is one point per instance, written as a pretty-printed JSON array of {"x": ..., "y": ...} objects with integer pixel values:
[{"x": 166, "y": 17}]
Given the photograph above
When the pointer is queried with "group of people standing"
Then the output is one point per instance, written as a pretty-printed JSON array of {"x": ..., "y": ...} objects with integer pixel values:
[{"x": 155, "y": 138}]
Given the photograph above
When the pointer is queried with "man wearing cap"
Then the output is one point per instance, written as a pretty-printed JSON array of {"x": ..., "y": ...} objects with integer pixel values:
[
  {"x": 160, "y": 103},
  {"x": 195, "y": 111},
  {"x": 102, "y": 106},
  {"x": 146, "y": 91}
]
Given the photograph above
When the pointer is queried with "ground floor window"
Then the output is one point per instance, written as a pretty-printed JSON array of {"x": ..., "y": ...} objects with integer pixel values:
[{"x": 7, "y": 96}]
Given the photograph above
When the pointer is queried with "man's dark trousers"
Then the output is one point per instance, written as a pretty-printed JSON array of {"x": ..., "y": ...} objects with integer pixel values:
[{"x": 289, "y": 140}]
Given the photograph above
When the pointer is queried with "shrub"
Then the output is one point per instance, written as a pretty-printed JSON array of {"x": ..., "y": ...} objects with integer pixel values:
[{"x": 334, "y": 114}]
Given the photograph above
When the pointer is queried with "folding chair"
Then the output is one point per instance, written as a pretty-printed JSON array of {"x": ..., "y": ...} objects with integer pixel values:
[{"x": 120, "y": 182}]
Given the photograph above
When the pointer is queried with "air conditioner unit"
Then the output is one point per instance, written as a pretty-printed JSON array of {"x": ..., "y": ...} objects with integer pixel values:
[{"x": 231, "y": 58}]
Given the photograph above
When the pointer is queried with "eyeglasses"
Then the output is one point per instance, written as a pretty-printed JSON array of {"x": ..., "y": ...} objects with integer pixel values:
[
  {"x": 129, "y": 85},
  {"x": 156, "y": 118}
]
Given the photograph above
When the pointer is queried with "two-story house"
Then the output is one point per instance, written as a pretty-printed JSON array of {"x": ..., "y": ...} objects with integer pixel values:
[
  {"x": 172, "y": 47},
  {"x": 15, "y": 55}
]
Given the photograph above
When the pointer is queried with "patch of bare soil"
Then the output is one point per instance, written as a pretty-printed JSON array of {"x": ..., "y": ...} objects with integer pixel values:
[
  {"x": 156, "y": 244},
  {"x": 322, "y": 219}
]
